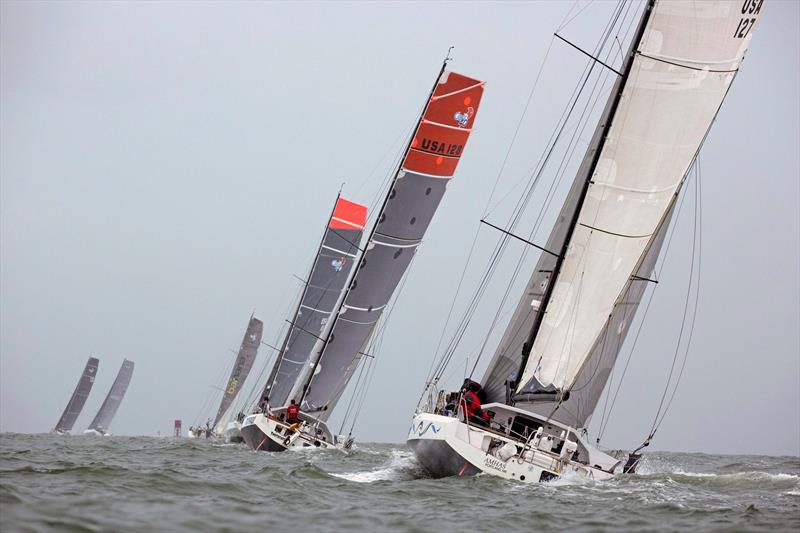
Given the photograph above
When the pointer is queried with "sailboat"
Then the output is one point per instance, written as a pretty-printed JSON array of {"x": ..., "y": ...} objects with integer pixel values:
[
  {"x": 102, "y": 421},
  {"x": 555, "y": 357},
  {"x": 418, "y": 185},
  {"x": 331, "y": 268},
  {"x": 78, "y": 398},
  {"x": 225, "y": 424}
]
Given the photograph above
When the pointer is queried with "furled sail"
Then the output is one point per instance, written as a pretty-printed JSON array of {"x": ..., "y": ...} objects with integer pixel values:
[
  {"x": 329, "y": 273},
  {"x": 429, "y": 163},
  {"x": 241, "y": 367},
  {"x": 672, "y": 87},
  {"x": 79, "y": 395},
  {"x": 105, "y": 415}
]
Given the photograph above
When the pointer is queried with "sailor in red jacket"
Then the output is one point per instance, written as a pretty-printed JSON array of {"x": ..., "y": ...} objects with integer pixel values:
[
  {"x": 473, "y": 408},
  {"x": 293, "y": 413}
]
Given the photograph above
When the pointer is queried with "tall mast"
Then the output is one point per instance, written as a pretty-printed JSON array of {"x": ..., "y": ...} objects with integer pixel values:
[
  {"x": 618, "y": 88},
  {"x": 372, "y": 231}
]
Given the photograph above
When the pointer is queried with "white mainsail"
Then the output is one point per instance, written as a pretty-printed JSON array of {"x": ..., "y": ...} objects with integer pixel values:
[{"x": 683, "y": 66}]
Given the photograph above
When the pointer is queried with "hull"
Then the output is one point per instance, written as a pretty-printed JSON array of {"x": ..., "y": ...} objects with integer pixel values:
[
  {"x": 446, "y": 446},
  {"x": 94, "y": 433},
  {"x": 262, "y": 433},
  {"x": 233, "y": 432}
]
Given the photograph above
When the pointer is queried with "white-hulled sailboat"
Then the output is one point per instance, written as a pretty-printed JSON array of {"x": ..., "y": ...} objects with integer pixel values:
[
  {"x": 555, "y": 358},
  {"x": 418, "y": 185},
  {"x": 102, "y": 420}
]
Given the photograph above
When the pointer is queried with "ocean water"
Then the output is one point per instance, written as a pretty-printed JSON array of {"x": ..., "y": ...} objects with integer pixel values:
[{"x": 78, "y": 483}]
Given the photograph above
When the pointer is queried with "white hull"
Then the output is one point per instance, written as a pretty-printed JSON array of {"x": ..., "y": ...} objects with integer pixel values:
[
  {"x": 447, "y": 446},
  {"x": 269, "y": 434},
  {"x": 94, "y": 433}
]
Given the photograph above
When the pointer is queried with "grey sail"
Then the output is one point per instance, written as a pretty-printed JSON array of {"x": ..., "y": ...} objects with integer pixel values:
[
  {"x": 242, "y": 366},
  {"x": 419, "y": 185},
  {"x": 105, "y": 415},
  {"x": 331, "y": 268},
  {"x": 79, "y": 395}
]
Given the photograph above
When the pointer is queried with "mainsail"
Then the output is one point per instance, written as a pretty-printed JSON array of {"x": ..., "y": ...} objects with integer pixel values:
[
  {"x": 102, "y": 420},
  {"x": 570, "y": 323},
  {"x": 241, "y": 367},
  {"x": 418, "y": 186},
  {"x": 79, "y": 395},
  {"x": 332, "y": 267}
]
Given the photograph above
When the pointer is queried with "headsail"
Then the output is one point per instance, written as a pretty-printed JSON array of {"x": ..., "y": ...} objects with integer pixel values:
[
  {"x": 418, "y": 187},
  {"x": 683, "y": 63},
  {"x": 79, "y": 395},
  {"x": 329, "y": 273},
  {"x": 241, "y": 367},
  {"x": 102, "y": 420}
]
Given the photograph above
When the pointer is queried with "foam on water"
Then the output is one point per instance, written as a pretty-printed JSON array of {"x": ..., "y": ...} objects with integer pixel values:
[{"x": 50, "y": 482}]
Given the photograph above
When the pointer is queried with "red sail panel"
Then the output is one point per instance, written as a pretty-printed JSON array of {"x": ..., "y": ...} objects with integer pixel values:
[
  {"x": 445, "y": 126},
  {"x": 348, "y": 215}
]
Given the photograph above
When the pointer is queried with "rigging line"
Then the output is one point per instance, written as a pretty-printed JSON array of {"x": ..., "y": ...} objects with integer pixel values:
[
  {"x": 565, "y": 24},
  {"x": 683, "y": 320},
  {"x": 560, "y": 173},
  {"x": 632, "y": 350},
  {"x": 581, "y": 50},
  {"x": 699, "y": 237},
  {"x": 524, "y": 199},
  {"x": 518, "y": 127}
]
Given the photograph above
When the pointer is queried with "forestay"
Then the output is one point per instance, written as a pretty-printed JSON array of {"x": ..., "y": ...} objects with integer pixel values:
[
  {"x": 681, "y": 70},
  {"x": 241, "y": 367},
  {"x": 332, "y": 267},
  {"x": 428, "y": 164},
  {"x": 79, "y": 395},
  {"x": 105, "y": 415}
]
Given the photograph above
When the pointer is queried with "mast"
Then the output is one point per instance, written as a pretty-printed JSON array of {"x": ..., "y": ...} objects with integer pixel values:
[
  {"x": 337, "y": 311},
  {"x": 617, "y": 95}
]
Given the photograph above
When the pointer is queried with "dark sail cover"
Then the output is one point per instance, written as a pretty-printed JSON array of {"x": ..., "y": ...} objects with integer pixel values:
[
  {"x": 79, "y": 396},
  {"x": 418, "y": 187},
  {"x": 241, "y": 367},
  {"x": 332, "y": 267},
  {"x": 110, "y": 405}
]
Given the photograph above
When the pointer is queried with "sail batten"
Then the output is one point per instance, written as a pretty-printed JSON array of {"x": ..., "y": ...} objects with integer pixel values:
[
  {"x": 108, "y": 409},
  {"x": 79, "y": 396},
  {"x": 429, "y": 162},
  {"x": 681, "y": 68},
  {"x": 330, "y": 271}
]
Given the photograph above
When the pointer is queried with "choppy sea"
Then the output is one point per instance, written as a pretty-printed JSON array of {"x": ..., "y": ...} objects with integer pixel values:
[{"x": 77, "y": 483}]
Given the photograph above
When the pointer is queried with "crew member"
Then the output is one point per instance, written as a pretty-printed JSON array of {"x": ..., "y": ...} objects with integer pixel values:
[
  {"x": 473, "y": 406},
  {"x": 293, "y": 413}
]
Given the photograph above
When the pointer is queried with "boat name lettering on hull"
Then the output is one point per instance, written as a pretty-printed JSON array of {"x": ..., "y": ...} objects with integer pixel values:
[{"x": 495, "y": 464}]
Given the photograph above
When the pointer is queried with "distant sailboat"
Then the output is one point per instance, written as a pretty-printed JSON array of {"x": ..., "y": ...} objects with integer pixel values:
[
  {"x": 78, "y": 399},
  {"x": 429, "y": 162},
  {"x": 555, "y": 358},
  {"x": 334, "y": 261},
  {"x": 102, "y": 421},
  {"x": 226, "y": 423}
]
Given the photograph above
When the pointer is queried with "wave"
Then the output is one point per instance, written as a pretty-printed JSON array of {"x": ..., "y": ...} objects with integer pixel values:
[{"x": 401, "y": 465}]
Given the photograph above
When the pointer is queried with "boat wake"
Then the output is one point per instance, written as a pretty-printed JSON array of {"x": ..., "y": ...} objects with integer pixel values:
[{"x": 401, "y": 465}]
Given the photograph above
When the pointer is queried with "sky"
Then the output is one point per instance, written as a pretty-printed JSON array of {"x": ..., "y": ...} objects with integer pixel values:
[{"x": 167, "y": 168}]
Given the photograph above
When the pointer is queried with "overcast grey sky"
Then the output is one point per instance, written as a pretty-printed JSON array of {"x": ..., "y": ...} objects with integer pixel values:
[{"x": 165, "y": 168}]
